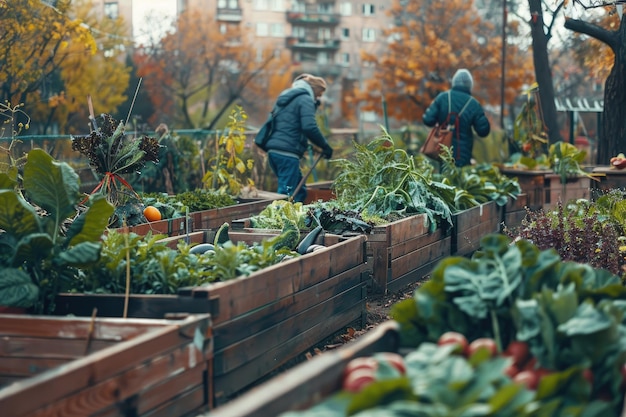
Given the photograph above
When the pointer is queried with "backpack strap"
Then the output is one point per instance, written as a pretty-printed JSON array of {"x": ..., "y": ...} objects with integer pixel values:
[{"x": 457, "y": 117}]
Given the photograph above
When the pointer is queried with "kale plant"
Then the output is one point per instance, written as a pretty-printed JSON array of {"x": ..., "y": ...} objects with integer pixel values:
[{"x": 385, "y": 181}]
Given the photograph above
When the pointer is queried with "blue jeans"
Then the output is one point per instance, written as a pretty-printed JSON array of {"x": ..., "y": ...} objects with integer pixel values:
[{"x": 287, "y": 169}]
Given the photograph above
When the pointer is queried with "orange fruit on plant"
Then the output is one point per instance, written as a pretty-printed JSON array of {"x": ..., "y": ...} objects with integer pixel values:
[{"x": 151, "y": 213}]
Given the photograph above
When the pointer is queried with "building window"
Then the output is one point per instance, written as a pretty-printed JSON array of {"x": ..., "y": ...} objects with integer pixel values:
[
  {"x": 223, "y": 29},
  {"x": 369, "y": 10},
  {"x": 227, "y": 4},
  {"x": 261, "y": 5},
  {"x": 369, "y": 35},
  {"x": 277, "y": 29},
  {"x": 325, "y": 7},
  {"x": 368, "y": 116},
  {"x": 262, "y": 29},
  {"x": 324, "y": 34},
  {"x": 345, "y": 8},
  {"x": 298, "y": 32},
  {"x": 323, "y": 58},
  {"x": 345, "y": 34},
  {"x": 345, "y": 59},
  {"x": 277, "y": 5},
  {"x": 111, "y": 10},
  {"x": 298, "y": 6}
]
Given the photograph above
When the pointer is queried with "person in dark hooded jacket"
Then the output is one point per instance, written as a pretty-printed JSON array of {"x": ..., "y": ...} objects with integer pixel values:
[
  {"x": 473, "y": 116},
  {"x": 294, "y": 126}
]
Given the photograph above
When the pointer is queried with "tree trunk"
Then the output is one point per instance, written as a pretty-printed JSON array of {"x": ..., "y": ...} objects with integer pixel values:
[
  {"x": 543, "y": 73},
  {"x": 613, "y": 135}
]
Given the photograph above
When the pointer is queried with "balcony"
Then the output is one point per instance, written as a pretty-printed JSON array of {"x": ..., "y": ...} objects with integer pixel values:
[
  {"x": 294, "y": 42},
  {"x": 314, "y": 18},
  {"x": 328, "y": 70},
  {"x": 228, "y": 15}
]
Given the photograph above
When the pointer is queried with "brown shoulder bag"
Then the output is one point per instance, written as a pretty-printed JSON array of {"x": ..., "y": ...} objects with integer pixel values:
[{"x": 442, "y": 134}]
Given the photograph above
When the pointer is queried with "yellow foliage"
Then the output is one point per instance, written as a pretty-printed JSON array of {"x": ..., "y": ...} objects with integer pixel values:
[{"x": 31, "y": 30}]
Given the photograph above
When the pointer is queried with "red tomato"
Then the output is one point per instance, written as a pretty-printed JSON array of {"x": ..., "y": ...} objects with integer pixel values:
[
  {"x": 356, "y": 380},
  {"x": 588, "y": 375},
  {"x": 482, "y": 343},
  {"x": 531, "y": 365},
  {"x": 365, "y": 362},
  {"x": 394, "y": 359},
  {"x": 518, "y": 351},
  {"x": 528, "y": 378},
  {"x": 453, "y": 338},
  {"x": 511, "y": 370}
]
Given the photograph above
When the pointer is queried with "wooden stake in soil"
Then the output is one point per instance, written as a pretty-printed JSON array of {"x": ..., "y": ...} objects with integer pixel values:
[
  {"x": 92, "y": 326},
  {"x": 127, "y": 295}
]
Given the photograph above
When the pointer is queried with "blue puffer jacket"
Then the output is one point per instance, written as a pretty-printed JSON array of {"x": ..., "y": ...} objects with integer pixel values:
[
  {"x": 473, "y": 116},
  {"x": 296, "y": 122}
]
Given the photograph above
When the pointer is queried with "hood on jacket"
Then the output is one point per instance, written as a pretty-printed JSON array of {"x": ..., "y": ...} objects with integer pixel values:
[{"x": 297, "y": 88}]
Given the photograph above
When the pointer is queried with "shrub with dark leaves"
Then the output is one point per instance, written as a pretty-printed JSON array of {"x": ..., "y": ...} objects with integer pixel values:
[{"x": 578, "y": 232}]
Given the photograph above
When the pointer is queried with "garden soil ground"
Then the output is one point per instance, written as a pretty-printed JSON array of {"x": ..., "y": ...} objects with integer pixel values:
[{"x": 378, "y": 309}]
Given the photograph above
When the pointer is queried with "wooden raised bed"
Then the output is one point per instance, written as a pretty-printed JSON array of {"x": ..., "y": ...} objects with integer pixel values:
[
  {"x": 573, "y": 189},
  {"x": 532, "y": 183},
  {"x": 470, "y": 225},
  {"x": 309, "y": 383},
  {"x": 319, "y": 191},
  {"x": 514, "y": 211},
  {"x": 57, "y": 366},
  {"x": 205, "y": 219},
  {"x": 212, "y": 219},
  {"x": 610, "y": 178},
  {"x": 398, "y": 253},
  {"x": 403, "y": 251},
  {"x": 263, "y": 321}
]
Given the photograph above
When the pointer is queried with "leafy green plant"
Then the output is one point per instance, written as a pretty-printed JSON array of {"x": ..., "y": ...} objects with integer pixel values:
[
  {"x": 570, "y": 314},
  {"x": 565, "y": 160},
  {"x": 198, "y": 200},
  {"x": 476, "y": 184},
  {"x": 45, "y": 237},
  {"x": 227, "y": 172},
  {"x": 274, "y": 214},
  {"x": 155, "y": 268},
  {"x": 382, "y": 180},
  {"x": 112, "y": 154},
  {"x": 529, "y": 131}
]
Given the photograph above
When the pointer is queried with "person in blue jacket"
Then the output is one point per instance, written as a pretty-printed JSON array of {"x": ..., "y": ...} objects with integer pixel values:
[
  {"x": 294, "y": 126},
  {"x": 473, "y": 116}
]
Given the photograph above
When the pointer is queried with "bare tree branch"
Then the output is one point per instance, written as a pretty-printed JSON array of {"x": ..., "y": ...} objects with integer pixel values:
[{"x": 595, "y": 31}]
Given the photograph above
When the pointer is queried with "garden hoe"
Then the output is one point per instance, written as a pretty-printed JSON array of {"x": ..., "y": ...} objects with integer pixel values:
[{"x": 303, "y": 180}]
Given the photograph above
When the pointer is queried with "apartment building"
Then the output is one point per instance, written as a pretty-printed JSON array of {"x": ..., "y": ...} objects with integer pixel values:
[
  {"x": 114, "y": 9},
  {"x": 323, "y": 37}
]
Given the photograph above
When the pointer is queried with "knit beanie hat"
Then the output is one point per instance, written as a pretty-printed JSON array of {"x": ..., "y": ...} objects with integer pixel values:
[
  {"x": 463, "y": 78},
  {"x": 313, "y": 81}
]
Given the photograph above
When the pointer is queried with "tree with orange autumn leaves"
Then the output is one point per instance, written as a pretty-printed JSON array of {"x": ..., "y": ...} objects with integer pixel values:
[
  {"x": 53, "y": 57},
  {"x": 198, "y": 71},
  {"x": 429, "y": 42}
]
